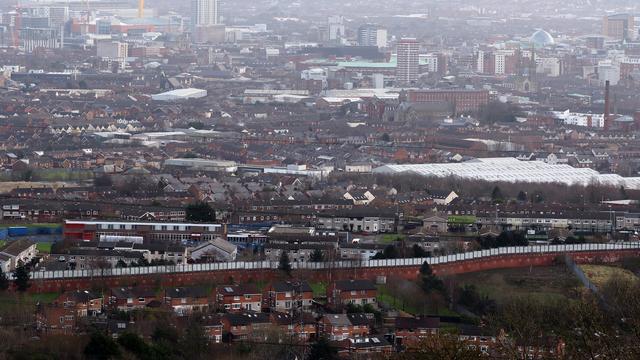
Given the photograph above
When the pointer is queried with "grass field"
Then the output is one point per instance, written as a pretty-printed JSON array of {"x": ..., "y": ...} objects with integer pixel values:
[
  {"x": 544, "y": 283},
  {"x": 44, "y": 247},
  {"x": 319, "y": 289},
  {"x": 44, "y": 297},
  {"x": 600, "y": 274},
  {"x": 411, "y": 300},
  {"x": 389, "y": 238}
]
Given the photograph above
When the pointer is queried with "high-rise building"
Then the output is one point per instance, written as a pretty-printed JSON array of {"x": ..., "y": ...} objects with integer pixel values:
[
  {"x": 58, "y": 16},
  {"x": 619, "y": 26},
  {"x": 204, "y": 13},
  {"x": 408, "y": 54},
  {"x": 46, "y": 38},
  {"x": 335, "y": 28},
  {"x": 372, "y": 35}
]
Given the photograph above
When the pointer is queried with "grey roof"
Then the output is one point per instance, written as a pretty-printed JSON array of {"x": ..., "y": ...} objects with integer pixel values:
[{"x": 338, "y": 319}]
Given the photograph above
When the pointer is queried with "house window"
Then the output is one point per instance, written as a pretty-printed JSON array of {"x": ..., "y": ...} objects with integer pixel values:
[{"x": 140, "y": 299}]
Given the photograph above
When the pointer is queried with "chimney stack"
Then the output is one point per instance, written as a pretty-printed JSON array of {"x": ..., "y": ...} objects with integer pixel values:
[{"x": 607, "y": 105}]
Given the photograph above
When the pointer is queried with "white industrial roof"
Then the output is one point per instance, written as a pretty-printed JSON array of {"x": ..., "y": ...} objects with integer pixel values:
[
  {"x": 513, "y": 170},
  {"x": 179, "y": 94}
]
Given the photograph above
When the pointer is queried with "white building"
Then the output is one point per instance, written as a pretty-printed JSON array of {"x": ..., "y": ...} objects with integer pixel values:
[
  {"x": 513, "y": 171},
  {"x": 114, "y": 51},
  {"x": 180, "y": 94},
  {"x": 429, "y": 62},
  {"x": 335, "y": 28},
  {"x": 408, "y": 67},
  {"x": 580, "y": 119},
  {"x": 218, "y": 249},
  {"x": 372, "y": 35},
  {"x": 16, "y": 253},
  {"x": 549, "y": 66},
  {"x": 608, "y": 71},
  {"x": 204, "y": 13}
]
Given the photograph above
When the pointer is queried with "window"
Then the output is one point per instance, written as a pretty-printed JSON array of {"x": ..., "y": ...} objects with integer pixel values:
[
  {"x": 141, "y": 299},
  {"x": 61, "y": 319}
]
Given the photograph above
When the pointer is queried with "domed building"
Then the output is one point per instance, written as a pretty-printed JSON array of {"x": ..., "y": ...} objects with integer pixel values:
[{"x": 542, "y": 38}]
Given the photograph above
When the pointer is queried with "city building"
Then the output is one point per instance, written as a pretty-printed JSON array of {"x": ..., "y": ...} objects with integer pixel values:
[
  {"x": 77, "y": 231},
  {"x": 619, "y": 26},
  {"x": 357, "y": 292},
  {"x": 41, "y": 38},
  {"x": 204, "y": 13},
  {"x": 463, "y": 101},
  {"x": 113, "y": 51},
  {"x": 408, "y": 51},
  {"x": 372, "y": 35}
]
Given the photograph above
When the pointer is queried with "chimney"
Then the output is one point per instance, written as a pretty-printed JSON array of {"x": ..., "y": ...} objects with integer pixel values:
[{"x": 607, "y": 105}]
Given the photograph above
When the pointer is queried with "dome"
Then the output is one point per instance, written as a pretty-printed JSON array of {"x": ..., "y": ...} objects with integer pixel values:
[{"x": 542, "y": 38}]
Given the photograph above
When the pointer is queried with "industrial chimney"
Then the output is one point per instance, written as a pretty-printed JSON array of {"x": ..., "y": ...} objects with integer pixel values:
[{"x": 607, "y": 106}]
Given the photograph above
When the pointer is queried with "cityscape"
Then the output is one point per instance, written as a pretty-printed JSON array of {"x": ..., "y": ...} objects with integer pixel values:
[{"x": 299, "y": 180}]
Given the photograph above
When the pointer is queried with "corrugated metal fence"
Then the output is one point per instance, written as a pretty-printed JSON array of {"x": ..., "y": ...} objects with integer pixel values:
[{"x": 258, "y": 265}]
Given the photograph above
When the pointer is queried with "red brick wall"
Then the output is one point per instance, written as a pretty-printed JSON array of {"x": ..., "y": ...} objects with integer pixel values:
[{"x": 408, "y": 272}]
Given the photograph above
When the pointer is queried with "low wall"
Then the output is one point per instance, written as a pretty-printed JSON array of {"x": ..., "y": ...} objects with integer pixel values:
[{"x": 326, "y": 275}]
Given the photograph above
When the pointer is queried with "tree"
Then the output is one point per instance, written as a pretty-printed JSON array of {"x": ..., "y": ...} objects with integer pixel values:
[
  {"x": 101, "y": 347},
  {"x": 389, "y": 252},
  {"x": 497, "y": 111},
  {"x": 200, "y": 212},
  {"x": 496, "y": 195},
  {"x": 322, "y": 350},
  {"x": 21, "y": 280},
  {"x": 443, "y": 346},
  {"x": 102, "y": 181},
  {"x": 430, "y": 282},
  {"x": 522, "y": 196},
  {"x": 121, "y": 264},
  {"x": 317, "y": 256},
  {"x": 194, "y": 342},
  {"x": 419, "y": 252},
  {"x": 4, "y": 281},
  {"x": 196, "y": 125},
  {"x": 385, "y": 137},
  {"x": 134, "y": 344},
  {"x": 285, "y": 264},
  {"x": 480, "y": 304}
]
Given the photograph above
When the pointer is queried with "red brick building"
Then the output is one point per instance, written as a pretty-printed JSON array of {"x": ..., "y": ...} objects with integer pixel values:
[
  {"x": 464, "y": 101},
  {"x": 238, "y": 298},
  {"x": 288, "y": 295},
  {"x": 131, "y": 298},
  {"x": 62, "y": 315},
  {"x": 357, "y": 292},
  {"x": 187, "y": 300},
  {"x": 410, "y": 331}
]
